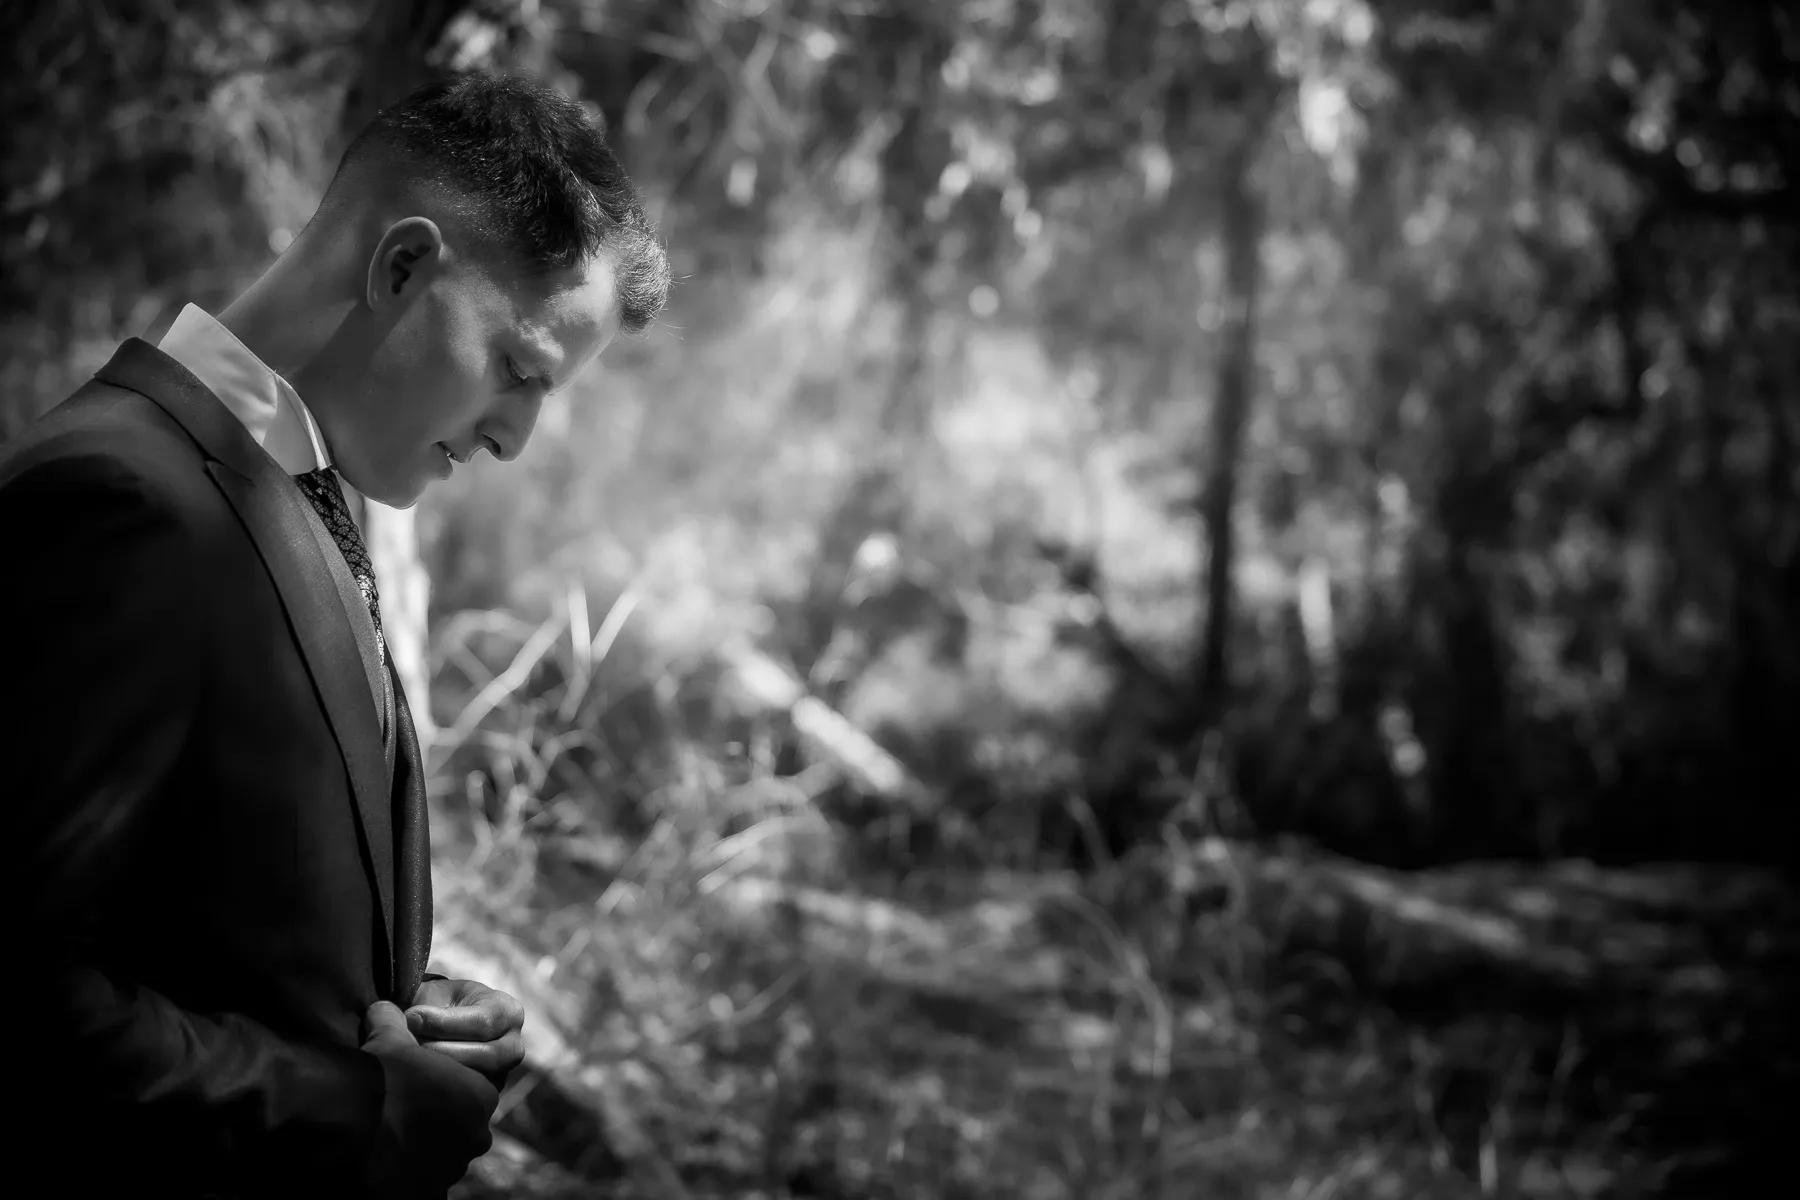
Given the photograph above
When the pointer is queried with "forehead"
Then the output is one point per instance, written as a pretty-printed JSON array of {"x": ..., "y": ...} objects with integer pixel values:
[{"x": 563, "y": 319}]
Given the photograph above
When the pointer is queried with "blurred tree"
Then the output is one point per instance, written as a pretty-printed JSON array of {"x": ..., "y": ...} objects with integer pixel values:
[
  {"x": 149, "y": 154},
  {"x": 896, "y": 88},
  {"x": 1562, "y": 261}
]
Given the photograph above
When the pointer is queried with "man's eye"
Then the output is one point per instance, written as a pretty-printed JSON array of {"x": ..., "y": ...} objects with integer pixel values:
[{"x": 512, "y": 372}]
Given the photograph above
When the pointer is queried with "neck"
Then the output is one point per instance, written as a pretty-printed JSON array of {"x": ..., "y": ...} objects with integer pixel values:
[{"x": 288, "y": 316}]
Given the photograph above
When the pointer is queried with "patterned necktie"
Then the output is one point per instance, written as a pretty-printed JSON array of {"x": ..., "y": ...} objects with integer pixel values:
[{"x": 321, "y": 487}]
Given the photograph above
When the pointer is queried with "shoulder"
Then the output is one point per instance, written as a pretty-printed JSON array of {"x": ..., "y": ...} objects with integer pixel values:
[{"x": 106, "y": 451}]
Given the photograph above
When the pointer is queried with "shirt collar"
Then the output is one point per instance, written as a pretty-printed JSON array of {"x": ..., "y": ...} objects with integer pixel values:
[{"x": 267, "y": 404}]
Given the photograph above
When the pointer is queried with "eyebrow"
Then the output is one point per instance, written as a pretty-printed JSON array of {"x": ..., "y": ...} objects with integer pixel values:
[
  {"x": 530, "y": 364},
  {"x": 531, "y": 358}
]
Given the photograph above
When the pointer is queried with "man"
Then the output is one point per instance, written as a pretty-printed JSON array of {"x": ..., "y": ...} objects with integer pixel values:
[{"x": 209, "y": 764}]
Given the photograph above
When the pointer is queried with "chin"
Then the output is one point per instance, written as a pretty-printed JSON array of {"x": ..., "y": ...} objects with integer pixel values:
[
  {"x": 405, "y": 498},
  {"x": 388, "y": 493}
]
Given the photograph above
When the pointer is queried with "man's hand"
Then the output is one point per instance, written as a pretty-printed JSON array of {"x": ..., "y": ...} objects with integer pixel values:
[
  {"x": 471, "y": 1023},
  {"x": 434, "y": 1118}
]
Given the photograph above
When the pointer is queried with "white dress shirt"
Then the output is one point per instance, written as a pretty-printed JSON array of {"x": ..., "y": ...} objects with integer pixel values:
[{"x": 267, "y": 404}]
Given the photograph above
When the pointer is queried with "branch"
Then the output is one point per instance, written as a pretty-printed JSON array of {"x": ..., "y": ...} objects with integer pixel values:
[{"x": 826, "y": 732}]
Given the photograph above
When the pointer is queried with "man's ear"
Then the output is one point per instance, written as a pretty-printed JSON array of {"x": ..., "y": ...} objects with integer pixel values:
[{"x": 409, "y": 254}]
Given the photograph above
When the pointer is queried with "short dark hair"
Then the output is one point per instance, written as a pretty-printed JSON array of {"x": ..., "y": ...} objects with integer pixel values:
[{"x": 540, "y": 182}]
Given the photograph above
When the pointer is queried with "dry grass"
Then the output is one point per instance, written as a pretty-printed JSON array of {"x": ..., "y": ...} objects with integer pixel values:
[{"x": 748, "y": 1018}]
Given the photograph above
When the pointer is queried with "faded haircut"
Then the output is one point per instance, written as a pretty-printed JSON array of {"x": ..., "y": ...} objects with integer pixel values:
[{"x": 531, "y": 174}]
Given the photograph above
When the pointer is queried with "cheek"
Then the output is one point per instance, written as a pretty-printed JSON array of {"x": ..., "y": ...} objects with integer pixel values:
[
  {"x": 456, "y": 370},
  {"x": 432, "y": 377}
]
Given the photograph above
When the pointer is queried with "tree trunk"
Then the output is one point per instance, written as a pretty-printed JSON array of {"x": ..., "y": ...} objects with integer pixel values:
[
  {"x": 1241, "y": 230},
  {"x": 911, "y": 165}
]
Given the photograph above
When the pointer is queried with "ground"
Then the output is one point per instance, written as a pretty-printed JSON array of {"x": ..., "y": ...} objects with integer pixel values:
[{"x": 1259, "y": 1023}]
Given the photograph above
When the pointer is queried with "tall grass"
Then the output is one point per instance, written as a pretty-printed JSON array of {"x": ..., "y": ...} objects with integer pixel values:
[{"x": 757, "y": 1016}]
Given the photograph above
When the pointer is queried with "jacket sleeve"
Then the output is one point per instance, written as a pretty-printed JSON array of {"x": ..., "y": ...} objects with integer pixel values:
[{"x": 102, "y": 604}]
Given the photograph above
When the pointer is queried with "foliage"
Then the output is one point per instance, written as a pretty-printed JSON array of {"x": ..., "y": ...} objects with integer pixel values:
[
  {"x": 1515, "y": 506},
  {"x": 154, "y": 154},
  {"x": 1194, "y": 1019},
  {"x": 1511, "y": 585}
]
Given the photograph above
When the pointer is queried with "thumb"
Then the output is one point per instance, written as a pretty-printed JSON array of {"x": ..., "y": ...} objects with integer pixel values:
[{"x": 384, "y": 1016}]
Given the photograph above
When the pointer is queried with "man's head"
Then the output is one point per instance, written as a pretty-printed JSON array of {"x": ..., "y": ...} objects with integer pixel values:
[{"x": 496, "y": 248}]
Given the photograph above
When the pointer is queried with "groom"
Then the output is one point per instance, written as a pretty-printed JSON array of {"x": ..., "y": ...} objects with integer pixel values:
[{"x": 209, "y": 767}]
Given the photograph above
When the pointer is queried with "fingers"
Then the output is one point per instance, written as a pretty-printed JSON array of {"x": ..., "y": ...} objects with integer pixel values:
[
  {"x": 454, "y": 1024},
  {"x": 385, "y": 1017},
  {"x": 495, "y": 1016},
  {"x": 493, "y": 1059},
  {"x": 434, "y": 993}
]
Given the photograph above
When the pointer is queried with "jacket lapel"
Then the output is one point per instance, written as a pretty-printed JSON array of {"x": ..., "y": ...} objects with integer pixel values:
[{"x": 276, "y": 515}]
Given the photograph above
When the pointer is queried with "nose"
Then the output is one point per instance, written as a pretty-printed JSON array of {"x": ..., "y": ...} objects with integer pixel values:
[{"x": 510, "y": 427}]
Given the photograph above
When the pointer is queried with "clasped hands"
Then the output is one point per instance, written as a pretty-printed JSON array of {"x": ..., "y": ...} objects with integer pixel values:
[
  {"x": 435, "y": 1118},
  {"x": 469, "y": 1023}
]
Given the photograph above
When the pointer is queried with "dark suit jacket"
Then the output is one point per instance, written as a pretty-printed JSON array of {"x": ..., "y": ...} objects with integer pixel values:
[{"x": 223, "y": 860}]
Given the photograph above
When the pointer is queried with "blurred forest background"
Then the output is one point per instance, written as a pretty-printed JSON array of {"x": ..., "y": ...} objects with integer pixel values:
[{"x": 1193, "y": 598}]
